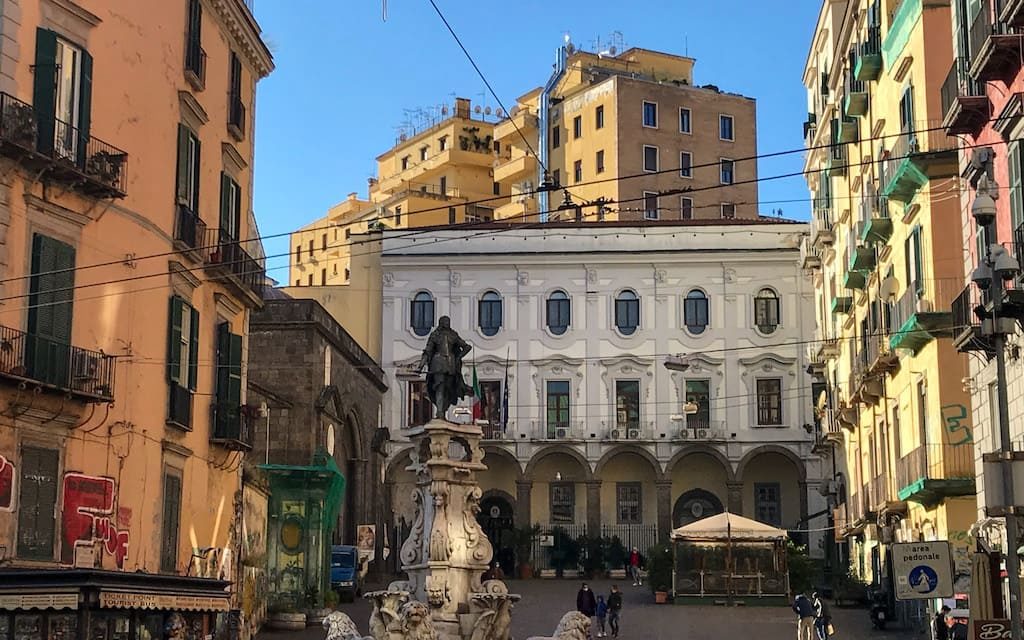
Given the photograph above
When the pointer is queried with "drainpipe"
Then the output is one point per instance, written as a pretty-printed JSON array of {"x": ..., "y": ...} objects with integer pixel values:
[{"x": 544, "y": 128}]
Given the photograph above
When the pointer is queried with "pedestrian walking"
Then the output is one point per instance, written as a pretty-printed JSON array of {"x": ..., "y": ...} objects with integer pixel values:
[
  {"x": 602, "y": 615},
  {"x": 804, "y": 610},
  {"x": 614, "y": 610},
  {"x": 636, "y": 563},
  {"x": 940, "y": 626},
  {"x": 822, "y": 616}
]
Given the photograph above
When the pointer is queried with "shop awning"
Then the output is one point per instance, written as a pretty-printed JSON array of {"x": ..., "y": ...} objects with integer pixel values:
[{"x": 728, "y": 526}]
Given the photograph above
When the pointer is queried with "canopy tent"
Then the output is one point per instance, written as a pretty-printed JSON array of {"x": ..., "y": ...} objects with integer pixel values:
[{"x": 726, "y": 526}]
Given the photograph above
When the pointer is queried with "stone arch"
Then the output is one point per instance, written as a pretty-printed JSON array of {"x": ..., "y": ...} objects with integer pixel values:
[
  {"x": 499, "y": 452},
  {"x": 544, "y": 452},
  {"x": 399, "y": 461},
  {"x": 689, "y": 450},
  {"x": 353, "y": 427},
  {"x": 498, "y": 493},
  {"x": 789, "y": 454},
  {"x": 627, "y": 449},
  {"x": 708, "y": 500}
]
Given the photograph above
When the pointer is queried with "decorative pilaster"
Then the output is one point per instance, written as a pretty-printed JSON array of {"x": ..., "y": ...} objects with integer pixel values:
[
  {"x": 803, "y": 501},
  {"x": 735, "y": 502},
  {"x": 664, "y": 510},
  {"x": 523, "y": 515},
  {"x": 594, "y": 508}
]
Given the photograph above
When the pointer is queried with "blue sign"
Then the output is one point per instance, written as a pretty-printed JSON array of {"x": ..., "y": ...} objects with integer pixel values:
[{"x": 923, "y": 579}]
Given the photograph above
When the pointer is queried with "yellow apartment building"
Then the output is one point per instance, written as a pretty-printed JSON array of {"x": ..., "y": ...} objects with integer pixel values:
[
  {"x": 887, "y": 263},
  {"x": 604, "y": 116},
  {"x": 129, "y": 266}
]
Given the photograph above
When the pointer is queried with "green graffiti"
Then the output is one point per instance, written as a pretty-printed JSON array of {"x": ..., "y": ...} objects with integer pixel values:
[{"x": 959, "y": 432}]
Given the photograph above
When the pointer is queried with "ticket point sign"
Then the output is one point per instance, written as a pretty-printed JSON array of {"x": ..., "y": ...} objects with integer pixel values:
[{"x": 922, "y": 570}]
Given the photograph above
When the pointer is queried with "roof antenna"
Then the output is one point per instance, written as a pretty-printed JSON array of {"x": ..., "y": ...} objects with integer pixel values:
[
  {"x": 384, "y": 10},
  {"x": 686, "y": 41}
]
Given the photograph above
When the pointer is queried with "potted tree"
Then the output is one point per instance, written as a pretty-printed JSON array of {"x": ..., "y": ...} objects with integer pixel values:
[
  {"x": 564, "y": 554},
  {"x": 659, "y": 572},
  {"x": 594, "y": 553},
  {"x": 616, "y": 556},
  {"x": 524, "y": 539},
  {"x": 315, "y": 611}
]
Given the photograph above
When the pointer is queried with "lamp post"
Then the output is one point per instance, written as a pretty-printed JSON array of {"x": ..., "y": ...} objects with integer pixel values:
[{"x": 996, "y": 267}]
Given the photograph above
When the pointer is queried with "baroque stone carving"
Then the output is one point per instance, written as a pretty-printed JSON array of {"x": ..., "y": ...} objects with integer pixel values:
[
  {"x": 388, "y": 279},
  {"x": 456, "y": 278},
  {"x": 413, "y": 544},
  {"x": 387, "y": 605},
  {"x": 573, "y": 626},
  {"x": 440, "y": 542},
  {"x": 340, "y": 627},
  {"x": 416, "y": 622},
  {"x": 438, "y": 593}
]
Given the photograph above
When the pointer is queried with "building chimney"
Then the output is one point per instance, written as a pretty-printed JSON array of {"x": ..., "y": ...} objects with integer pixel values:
[
  {"x": 462, "y": 108},
  {"x": 352, "y": 196}
]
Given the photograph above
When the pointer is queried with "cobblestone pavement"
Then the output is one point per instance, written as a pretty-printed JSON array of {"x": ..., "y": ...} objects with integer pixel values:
[{"x": 545, "y": 601}]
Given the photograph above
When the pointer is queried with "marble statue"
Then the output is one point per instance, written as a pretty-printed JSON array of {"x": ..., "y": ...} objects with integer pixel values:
[
  {"x": 573, "y": 626},
  {"x": 340, "y": 627}
]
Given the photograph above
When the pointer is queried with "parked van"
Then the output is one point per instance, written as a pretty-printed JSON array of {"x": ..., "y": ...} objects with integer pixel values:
[{"x": 345, "y": 572}]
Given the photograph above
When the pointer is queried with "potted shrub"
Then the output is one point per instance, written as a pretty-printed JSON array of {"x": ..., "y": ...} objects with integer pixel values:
[
  {"x": 331, "y": 600},
  {"x": 315, "y": 612},
  {"x": 593, "y": 556},
  {"x": 659, "y": 571},
  {"x": 565, "y": 553},
  {"x": 524, "y": 539},
  {"x": 616, "y": 557}
]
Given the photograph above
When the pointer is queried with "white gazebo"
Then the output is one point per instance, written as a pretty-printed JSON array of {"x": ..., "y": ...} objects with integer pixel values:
[{"x": 730, "y": 556}]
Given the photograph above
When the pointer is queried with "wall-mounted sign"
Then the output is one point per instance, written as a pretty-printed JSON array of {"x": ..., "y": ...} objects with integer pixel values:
[
  {"x": 991, "y": 629},
  {"x": 126, "y": 600},
  {"x": 39, "y": 601},
  {"x": 923, "y": 570}
]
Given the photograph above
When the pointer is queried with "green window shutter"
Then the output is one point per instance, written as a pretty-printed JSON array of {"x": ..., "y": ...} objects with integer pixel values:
[
  {"x": 177, "y": 311},
  {"x": 1016, "y": 196},
  {"x": 236, "y": 213},
  {"x": 223, "y": 361},
  {"x": 51, "y": 298},
  {"x": 194, "y": 205},
  {"x": 181, "y": 180},
  {"x": 171, "y": 523},
  {"x": 37, "y": 503},
  {"x": 918, "y": 270},
  {"x": 44, "y": 87},
  {"x": 225, "y": 203},
  {"x": 235, "y": 370},
  {"x": 84, "y": 105},
  {"x": 193, "y": 351}
]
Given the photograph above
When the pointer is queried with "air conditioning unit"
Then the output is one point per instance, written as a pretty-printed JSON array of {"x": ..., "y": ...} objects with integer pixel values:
[
  {"x": 924, "y": 306},
  {"x": 633, "y": 434},
  {"x": 684, "y": 433},
  {"x": 85, "y": 366},
  {"x": 615, "y": 434},
  {"x": 702, "y": 433},
  {"x": 561, "y": 433}
]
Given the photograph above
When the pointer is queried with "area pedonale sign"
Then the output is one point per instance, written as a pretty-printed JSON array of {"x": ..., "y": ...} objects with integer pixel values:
[{"x": 991, "y": 629}]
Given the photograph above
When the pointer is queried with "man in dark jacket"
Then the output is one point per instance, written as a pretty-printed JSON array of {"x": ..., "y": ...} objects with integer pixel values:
[
  {"x": 586, "y": 603},
  {"x": 805, "y": 617},
  {"x": 614, "y": 609},
  {"x": 822, "y": 616},
  {"x": 939, "y": 624}
]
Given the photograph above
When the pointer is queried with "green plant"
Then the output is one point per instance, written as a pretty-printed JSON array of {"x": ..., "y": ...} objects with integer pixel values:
[
  {"x": 802, "y": 569},
  {"x": 331, "y": 599},
  {"x": 615, "y": 553},
  {"x": 659, "y": 567},
  {"x": 523, "y": 539},
  {"x": 565, "y": 553},
  {"x": 312, "y": 596},
  {"x": 594, "y": 554}
]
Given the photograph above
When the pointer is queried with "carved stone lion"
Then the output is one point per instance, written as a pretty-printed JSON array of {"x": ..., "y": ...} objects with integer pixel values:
[
  {"x": 416, "y": 622},
  {"x": 573, "y": 626},
  {"x": 340, "y": 627}
]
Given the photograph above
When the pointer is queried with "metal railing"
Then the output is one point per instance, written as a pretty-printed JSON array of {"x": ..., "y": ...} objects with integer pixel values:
[
  {"x": 19, "y": 126},
  {"x": 101, "y": 163},
  {"x": 936, "y": 297},
  {"x": 983, "y": 27},
  {"x": 963, "y": 308},
  {"x": 189, "y": 228},
  {"x": 179, "y": 405},
  {"x": 1018, "y": 244},
  {"x": 227, "y": 252},
  {"x": 195, "y": 60},
  {"x": 236, "y": 115},
  {"x": 922, "y": 137},
  {"x": 641, "y": 536},
  {"x": 57, "y": 365},
  {"x": 936, "y": 461},
  {"x": 872, "y": 44},
  {"x": 430, "y": 191},
  {"x": 855, "y": 507},
  {"x": 229, "y": 425},
  {"x": 959, "y": 83},
  {"x": 878, "y": 490}
]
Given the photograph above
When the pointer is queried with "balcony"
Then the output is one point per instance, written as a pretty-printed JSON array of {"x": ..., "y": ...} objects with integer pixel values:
[
  {"x": 920, "y": 319},
  {"x": 189, "y": 230},
  {"x": 810, "y": 257},
  {"x": 878, "y": 493},
  {"x": 195, "y": 64},
  {"x": 855, "y": 280},
  {"x": 179, "y": 406},
  {"x": 821, "y": 228},
  {"x": 855, "y": 104},
  {"x": 1012, "y": 14},
  {"x": 880, "y": 358},
  {"x": 424, "y": 190},
  {"x": 828, "y": 348},
  {"x": 965, "y": 106},
  {"x": 66, "y": 155},
  {"x": 523, "y": 122},
  {"x": 848, "y": 130},
  {"x": 702, "y": 428},
  {"x": 810, "y": 128},
  {"x": 917, "y": 157},
  {"x": 842, "y": 304},
  {"x": 967, "y": 335},
  {"x": 995, "y": 51},
  {"x": 236, "y": 118},
  {"x": 231, "y": 427},
  {"x": 50, "y": 365},
  {"x": 836, "y": 162},
  {"x": 868, "y": 66},
  {"x": 932, "y": 472},
  {"x": 524, "y": 166},
  {"x": 225, "y": 256},
  {"x": 863, "y": 259}
]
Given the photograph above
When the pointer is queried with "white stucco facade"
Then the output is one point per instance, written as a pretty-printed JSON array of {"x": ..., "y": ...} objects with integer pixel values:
[{"x": 620, "y": 460}]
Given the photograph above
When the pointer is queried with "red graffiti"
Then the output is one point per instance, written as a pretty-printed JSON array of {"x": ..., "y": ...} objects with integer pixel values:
[
  {"x": 6, "y": 484},
  {"x": 87, "y": 517}
]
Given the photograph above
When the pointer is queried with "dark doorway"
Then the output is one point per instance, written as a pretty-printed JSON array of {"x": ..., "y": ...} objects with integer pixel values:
[
  {"x": 496, "y": 518},
  {"x": 695, "y": 505}
]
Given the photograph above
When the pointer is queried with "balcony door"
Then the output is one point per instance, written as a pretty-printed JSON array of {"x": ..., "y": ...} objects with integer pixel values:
[
  {"x": 62, "y": 96},
  {"x": 68, "y": 100},
  {"x": 48, "y": 350}
]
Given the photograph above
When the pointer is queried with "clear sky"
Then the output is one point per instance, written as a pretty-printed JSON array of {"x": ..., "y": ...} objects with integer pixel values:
[{"x": 345, "y": 80}]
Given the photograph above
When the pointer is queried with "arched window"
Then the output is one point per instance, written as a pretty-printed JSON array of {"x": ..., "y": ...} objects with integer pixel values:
[
  {"x": 422, "y": 313},
  {"x": 695, "y": 311},
  {"x": 559, "y": 313},
  {"x": 489, "y": 309},
  {"x": 766, "y": 311},
  {"x": 627, "y": 312}
]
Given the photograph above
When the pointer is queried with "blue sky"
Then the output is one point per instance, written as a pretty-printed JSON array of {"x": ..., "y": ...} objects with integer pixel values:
[{"x": 345, "y": 77}]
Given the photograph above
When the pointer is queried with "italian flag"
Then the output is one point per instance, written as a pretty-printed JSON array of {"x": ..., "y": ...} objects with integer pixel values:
[{"x": 478, "y": 410}]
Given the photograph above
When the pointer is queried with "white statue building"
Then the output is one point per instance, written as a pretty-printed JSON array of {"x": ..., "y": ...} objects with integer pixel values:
[{"x": 599, "y": 435}]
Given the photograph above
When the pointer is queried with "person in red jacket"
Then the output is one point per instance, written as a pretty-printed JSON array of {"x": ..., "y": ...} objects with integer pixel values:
[{"x": 636, "y": 563}]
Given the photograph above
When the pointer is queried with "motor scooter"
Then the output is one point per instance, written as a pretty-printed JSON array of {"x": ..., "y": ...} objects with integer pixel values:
[{"x": 881, "y": 611}]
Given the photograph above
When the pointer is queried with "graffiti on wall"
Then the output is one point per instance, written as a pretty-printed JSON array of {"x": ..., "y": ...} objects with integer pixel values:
[
  {"x": 212, "y": 562},
  {"x": 254, "y": 560},
  {"x": 7, "y": 476},
  {"x": 958, "y": 425},
  {"x": 88, "y": 517},
  {"x": 962, "y": 543}
]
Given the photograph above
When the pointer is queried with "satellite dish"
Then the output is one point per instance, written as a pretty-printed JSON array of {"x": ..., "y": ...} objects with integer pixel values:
[
  {"x": 402, "y": 137},
  {"x": 570, "y": 48},
  {"x": 487, "y": 111},
  {"x": 514, "y": 111},
  {"x": 499, "y": 113},
  {"x": 612, "y": 50},
  {"x": 444, "y": 110},
  {"x": 476, "y": 109}
]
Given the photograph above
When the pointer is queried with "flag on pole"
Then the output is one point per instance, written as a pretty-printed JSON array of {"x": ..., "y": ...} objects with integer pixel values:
[
  {"x": 478, "y": 412},
  {"x": 504, "y": 398}
]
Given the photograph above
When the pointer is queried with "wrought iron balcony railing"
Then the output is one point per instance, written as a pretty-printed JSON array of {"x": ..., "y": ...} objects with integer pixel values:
[
  {"x": 236, "y": 117},
  {"x": 225, "y": 252},
  {"x": 230, "y": 426},
  {"x": 195, "y": 64},
  {"x": 56, "y": 365},
  {"x": 189, "y": 228}
]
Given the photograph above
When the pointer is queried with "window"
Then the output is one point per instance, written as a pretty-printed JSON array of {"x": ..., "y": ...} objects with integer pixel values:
[
  {"x": 423, "y": 153},
  {"x": 323, "y": 242},
  {"x": 599, "y": 117},
  {"x": 922, "y": 416},
  {"x": 298, "y": 282},
  {"x": 556, "y": 139},
  {"x": 556, "y": 176},
  {"x": 398, "y": 216},
  {"x": 490, "y": 407},
  {"x": 51, "y": 300},
  {"x": 558, "y": 407},
  {"x": 727, "y": 169},
  {"x": 728, "y": 211},
  {"x": 442, "y": 143},
  {"x": 334, "y": 270},
  {"x": 298, "y": 254},
  {"x": 769, "y": 401},
  {"x": 599, "y": 161},
  {"x": 1015, "y": 156},
  {"x": 695, "y": 312},
  {"x": 309, "y": 282},
  {"x": 187, "y": 227},
  {"x": 231, "y": 211},
  {"x": 323, "y": 277},
  {"x": 227, "y": 422},
  {"x": 650, "y": 158},
  {"x": 62, "y": 89},
  {"x": 650, "y": 205},
  {"x": 348, "y": 233},
  {"x": 442, "y": 185},
  {"x": 627, "y": 312},
  {"x": 419, "y": 404},
  {"x": 914, "y": 268},
  {"x": 698, "y": 393},
  {"x": 37, "y": 502},
  {"x": 348, "y": 274},
  {"x": 725, "y": 131},
  {"x": 405, "y": 162},
  {"x": 685, "y": 164},
  {"x": 577, "y": 127},
  {"x": 907, "y": 109},
  {"x": 497, "y": 147},
  {"x": 628, "y": 503},
  {"x": 171, "y": 523},
  {"x": 766, "y": 311},
  {"x": 562, "y": 505},
  {"x": 686, "y": 208},
  {"x": 768, "y": 503},
  {"x": 577, "y": 171},
  {"x": 627, "y": 404},
  {"x": 558, "y": 313},
  {"x": 684, "y": 120},
  {"x": 182, "y": 361},
  {"x": 193, "y": 41},
  {"x": 651, "y": 114},
  {"x": 496, "y": 189},
  {"x": 451, "y": 215},
  {"x": 489, "y": 310},
  {"x": 421, "y": 312}
]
